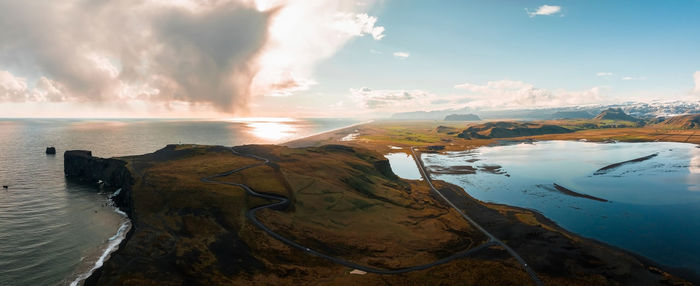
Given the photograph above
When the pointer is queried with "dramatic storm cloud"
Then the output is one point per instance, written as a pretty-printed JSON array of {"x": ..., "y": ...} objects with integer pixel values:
[{"x": 216, "y": 53}]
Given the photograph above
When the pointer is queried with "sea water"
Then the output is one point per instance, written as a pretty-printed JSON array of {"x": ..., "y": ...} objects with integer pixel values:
[{"x": 53, "y": 231}]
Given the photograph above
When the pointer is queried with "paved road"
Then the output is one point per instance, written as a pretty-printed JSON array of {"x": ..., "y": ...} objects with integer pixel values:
[
  {"x": 492, "y": 238},
  {"x": 281, "y": 201}
]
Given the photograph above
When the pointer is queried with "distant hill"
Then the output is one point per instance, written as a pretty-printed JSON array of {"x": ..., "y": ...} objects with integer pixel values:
[
  {"x": 690, "y": 121},
  {"x": 510, "y": 129},
  {"x": 462, "y": 117},
  {"x": 635, "y": 109},
  {"x": 615, "y": 114},
  {"x": 580, "y": 114},
  {"x": 446, "y": 129}
]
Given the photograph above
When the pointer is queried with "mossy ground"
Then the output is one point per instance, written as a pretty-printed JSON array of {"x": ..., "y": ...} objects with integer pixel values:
[{"x": 195, "y": 233}]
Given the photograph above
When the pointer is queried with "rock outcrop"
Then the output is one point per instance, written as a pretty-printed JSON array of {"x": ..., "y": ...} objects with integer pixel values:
[
  {"x": 81, "y": 165},
  {"x": 510, "y": 129},
  {"x": 615, "y": 114}
]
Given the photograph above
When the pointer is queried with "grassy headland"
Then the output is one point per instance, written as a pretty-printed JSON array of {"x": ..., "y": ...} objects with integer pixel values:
[{"x": 346, "y": 202}]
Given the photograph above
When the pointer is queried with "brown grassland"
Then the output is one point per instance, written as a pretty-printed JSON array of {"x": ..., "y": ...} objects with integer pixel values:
[{"x": 346, "y": 203}]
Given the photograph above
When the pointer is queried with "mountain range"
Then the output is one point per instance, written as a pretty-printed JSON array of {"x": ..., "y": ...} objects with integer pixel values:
[{"x": 640, "y": 110}]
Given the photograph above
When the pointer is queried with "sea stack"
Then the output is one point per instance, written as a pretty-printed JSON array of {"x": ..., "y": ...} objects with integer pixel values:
[{"x": 50, "y": 151}]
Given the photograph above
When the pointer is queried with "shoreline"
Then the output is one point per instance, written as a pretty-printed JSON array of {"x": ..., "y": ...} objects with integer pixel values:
[
  {"x": 646, "y": 261},
  {"x": 80, "y": 165},
  {"x": 307, "y": 137},
  {"x": 687, "y": 273},
  {"x": 112, "y": 243},
  {"x": 121, "y": 237},
  {"x": 690, "y": 274}
]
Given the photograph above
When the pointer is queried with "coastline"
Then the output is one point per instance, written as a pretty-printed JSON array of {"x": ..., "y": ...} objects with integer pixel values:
[
  {"x": 93, "y": 277},
  {"x": 121, "y": 237},
  {"x": 112, "y": 244},
  {"x": 686, "y": 273},
  {"x": 80, "y": 165},
  {"x": 112, "y": 247},
  {"x": 323, "y": 134}
]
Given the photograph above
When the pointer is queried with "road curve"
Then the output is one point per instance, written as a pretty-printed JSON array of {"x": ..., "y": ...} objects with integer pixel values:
[
  {"x": 282, "y": 201},
  {"x": 491, "y": 237}
]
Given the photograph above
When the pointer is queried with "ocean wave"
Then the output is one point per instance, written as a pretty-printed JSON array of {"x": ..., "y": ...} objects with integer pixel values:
[{"x": 112, "y": 246}]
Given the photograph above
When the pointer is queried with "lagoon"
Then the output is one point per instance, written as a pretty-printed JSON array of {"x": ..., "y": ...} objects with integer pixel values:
[{"x": 650, "y": 207}]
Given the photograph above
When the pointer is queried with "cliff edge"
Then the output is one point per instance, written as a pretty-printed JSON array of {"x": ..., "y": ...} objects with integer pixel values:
[{"x": 113, "y": 173}]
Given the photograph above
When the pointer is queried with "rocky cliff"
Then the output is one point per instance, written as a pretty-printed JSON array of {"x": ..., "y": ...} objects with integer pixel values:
[{"x": 81, "y": 165}]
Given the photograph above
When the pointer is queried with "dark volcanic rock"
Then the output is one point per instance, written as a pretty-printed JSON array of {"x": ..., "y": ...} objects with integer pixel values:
[
  {"x": 81, "y": 165},
  {"x": 50, "y": 150}
]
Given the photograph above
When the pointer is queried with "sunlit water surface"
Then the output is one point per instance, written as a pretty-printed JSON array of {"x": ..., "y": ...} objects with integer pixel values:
[
  {"x": 52, "y": 230},
  {"x": 653, "y": 208},
  {"x": 403, "y": 165}
]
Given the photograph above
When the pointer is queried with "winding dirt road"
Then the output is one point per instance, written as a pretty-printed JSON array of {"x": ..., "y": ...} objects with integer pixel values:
[
  {"x": 281, "y": 202},
  {"x": 491, "y": 237}
]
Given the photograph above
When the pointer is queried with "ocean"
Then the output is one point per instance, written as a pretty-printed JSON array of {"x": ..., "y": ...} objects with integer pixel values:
[{"x": 53, "y": 231}]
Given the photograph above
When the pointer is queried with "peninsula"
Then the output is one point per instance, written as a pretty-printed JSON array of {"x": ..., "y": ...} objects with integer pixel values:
[{"x": 313, "y": 211}]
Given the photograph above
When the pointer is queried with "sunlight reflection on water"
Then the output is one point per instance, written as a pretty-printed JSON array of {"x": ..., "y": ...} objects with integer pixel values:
[
  {"x": 272, "y": 130},
  {"x": 51, "y": 230}
]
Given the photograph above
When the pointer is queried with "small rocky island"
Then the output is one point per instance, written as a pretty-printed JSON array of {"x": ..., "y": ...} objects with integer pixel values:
[{"x": 273, "y": 215}]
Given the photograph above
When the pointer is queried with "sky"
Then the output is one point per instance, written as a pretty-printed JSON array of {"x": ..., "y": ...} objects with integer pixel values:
[{"x": 334, "y": 58}]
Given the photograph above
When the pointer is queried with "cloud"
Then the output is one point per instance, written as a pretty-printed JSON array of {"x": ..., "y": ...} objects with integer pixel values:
[
  {"x": 391, "y": 100},
  {"x": 604, "y": 74},
  {"x": 15, "y": 89},
  {"x": 302, "y": 33},
  {"x": 633, "y": 78},
  {"x": 505, "y": 94},
  {"x": 544, "y": 10},
  {"x": 12, "y": 88},
  {"x": 696, "y": 77},
  {"x": 217, "y": 53},
  {"x": 402, "y": 55}
]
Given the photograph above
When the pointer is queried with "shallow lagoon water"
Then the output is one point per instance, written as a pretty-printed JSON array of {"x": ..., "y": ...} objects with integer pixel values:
[
  {"x": 403, "y": 165},
  {"x": 653, "y": 208}
]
